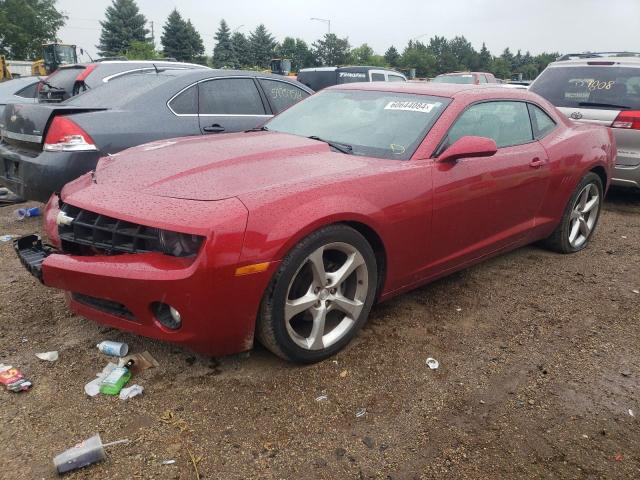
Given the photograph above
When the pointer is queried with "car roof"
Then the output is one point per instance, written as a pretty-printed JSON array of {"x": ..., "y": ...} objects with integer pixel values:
[
  {"x": 449, "y": 90},
  {"x": 464, "y": 73},
  {"x": 611, "y": 61},
  {"x": 198, "y": 74}
]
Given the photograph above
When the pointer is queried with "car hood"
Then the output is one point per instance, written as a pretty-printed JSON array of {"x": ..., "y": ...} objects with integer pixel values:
[{"x": 215, "y": 168}]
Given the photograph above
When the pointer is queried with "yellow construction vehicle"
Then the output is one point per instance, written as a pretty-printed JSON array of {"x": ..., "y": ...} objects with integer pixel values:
[
  {"x": 5, "y": 73},
  {"x": 53, "y": 56}
]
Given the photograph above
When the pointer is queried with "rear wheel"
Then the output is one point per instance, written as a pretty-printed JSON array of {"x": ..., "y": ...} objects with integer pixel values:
[
  {"x": 320, "y": 297},
  {"x": 580, "y": 217}
]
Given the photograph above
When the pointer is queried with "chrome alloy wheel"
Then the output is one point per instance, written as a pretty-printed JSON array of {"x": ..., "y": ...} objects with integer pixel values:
[
  {"x": 584, "y": 215},
  {"x": 326, "y": 296}
]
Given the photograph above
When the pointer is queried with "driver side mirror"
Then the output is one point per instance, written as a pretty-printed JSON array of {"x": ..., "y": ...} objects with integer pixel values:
[{"x": 469, "y": 147}]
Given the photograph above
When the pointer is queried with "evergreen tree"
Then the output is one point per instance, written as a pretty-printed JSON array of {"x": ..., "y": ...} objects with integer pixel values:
[
  {"x": 392, "y": 57},
  {"x": 303, "y": 57},
  {"x": 175, "y": 39},
  {"x": 223, "y": 51},
  {"x": 241, "y": 50},
  {"x": 25, "y": 25},
  {"x": 124, "y": 24},
  {"x": 484, "y": 59},
  {"x": 331, "y": 50},
  {"x": 262, "y": 46},
  {"x": 417, "y": 56},
  {"x": 195, "y": 44}
]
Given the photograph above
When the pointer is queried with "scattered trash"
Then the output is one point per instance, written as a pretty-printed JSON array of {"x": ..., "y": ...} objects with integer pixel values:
[
  {"x": 93, "y": 387},
  {"x": 113, "y": 349},
  {"x": 458, "y": 309},
  {"x": 130, "y": 392},
  {"x": 618, "y": 457},
  {"x": 361, "y": 412},
  {"x": 4, "y": 191},
  {"x": 584, "y": 435},
  {"x": 25, "y": 339},
  {"x": 636, "y": 291},
  {"x": 141, "y": 362},
  {"x": 344, "y": 373},
  {"x": 11, "y": 378},
  {"x": 631, "y": 413},
  {"x": 625, "y": 373},
  {"x": 432, "y": 363},
  {"x": 48, "y": 356},
  {"x": 168, "y": 462},
  {"x": 481, "y": 402},
  {"x": 7, "y": 238},
  {"x": 83, "y": 454},
  {"x": 118, "y": 378},
  {"x": 323, "y": 397},
  {"x": 624, "y": 236},
  {"x": 23, "y": 213}
]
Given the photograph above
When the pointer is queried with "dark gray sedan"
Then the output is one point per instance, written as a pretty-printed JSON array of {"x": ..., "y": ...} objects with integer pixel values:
[{"x": 46, "y": 146}]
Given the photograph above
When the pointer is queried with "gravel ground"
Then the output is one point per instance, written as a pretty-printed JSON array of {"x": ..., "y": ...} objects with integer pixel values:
[{"x": 539, "y": 378}]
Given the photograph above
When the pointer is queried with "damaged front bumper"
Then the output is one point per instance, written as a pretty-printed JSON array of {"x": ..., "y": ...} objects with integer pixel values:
[{"x": 32, "y": 253}]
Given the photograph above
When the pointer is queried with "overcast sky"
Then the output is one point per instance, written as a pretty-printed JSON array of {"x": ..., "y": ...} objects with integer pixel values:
[{"x": 534, "y": 25}]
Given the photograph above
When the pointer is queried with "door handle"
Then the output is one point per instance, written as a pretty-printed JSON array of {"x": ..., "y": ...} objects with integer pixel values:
[
  {"x": 537, "y": 163},
  {"x": 215, "y": 128}
]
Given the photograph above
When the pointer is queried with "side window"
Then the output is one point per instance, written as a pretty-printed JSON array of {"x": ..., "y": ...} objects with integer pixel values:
[
  {"x": 282, "y": 94},
  {"x": 377, "y": 77},
  {"x": 230, "y": 96},
  {"x": 507, "y": 123},
  {"x": 395, "y": 78},
  {"x": 186, "y": 103},
  {"x": 30, "y": 91},
  {"x": 482, "y": 79},
  {"x": 542, "y": 123}
]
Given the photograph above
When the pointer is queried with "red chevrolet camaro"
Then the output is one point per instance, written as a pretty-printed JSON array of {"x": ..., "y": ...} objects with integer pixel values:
[{"x": 289, "y": 234}]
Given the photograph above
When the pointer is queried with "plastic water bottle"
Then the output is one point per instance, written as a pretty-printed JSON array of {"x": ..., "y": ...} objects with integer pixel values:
[{"x": 23, "y": 213}]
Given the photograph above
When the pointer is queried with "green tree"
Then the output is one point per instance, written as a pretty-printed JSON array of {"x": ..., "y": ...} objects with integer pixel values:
[
  {"x": 142, "y": 51},
  {"x": 362, "y": 55},
  {"x": 392, "y": 56},
  {"x": 416, "y": 55},
  {"x": 484, "y": 59},
  {"x": 296, "y": 50},
  {"x": 25, "y": 25},
  {"x": 223, "y": 51},
  {"x": 175, "y": 39},
  {"x": 464, "y": 53},
  {"x": 331, "y": 50},
  {"x": 446, "y": 61},
  {"x": 241, "y": 50},
  {"x": 500, "y": 68},
  {"x": 262, "y": 46},
  {"x": 195, "y": 43},
  {"x": 124, "y": 24}
]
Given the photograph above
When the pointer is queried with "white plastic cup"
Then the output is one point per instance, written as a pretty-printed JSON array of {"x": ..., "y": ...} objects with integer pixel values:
[{"x": 113, "y": 349}]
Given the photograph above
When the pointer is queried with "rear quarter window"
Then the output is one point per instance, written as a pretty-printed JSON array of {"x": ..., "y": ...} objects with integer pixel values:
[
  {"x": 606, "y": 87},
  {"x": 282, "y": 94}
]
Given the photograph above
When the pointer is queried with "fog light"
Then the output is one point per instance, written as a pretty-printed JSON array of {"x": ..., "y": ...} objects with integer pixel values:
[{"x": 167, "y": 315}]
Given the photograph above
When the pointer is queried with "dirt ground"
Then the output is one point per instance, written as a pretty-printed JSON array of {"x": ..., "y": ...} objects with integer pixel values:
[{"x": 539, "y": 378}]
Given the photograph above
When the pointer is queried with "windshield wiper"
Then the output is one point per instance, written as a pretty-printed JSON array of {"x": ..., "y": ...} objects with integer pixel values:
[
  {"x": 610, "y": 105},
  {"x": 341, "y": 147},
  {"x": 257, "y": 129},
  {"x": 52, "y": 87}
]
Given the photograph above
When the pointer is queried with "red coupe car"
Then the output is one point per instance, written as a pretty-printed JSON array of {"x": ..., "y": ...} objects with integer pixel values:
[{"x": 290, "y": 233}]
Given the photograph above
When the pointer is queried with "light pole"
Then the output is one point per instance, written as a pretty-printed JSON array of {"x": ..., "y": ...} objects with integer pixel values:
[{"x": 324, "y": 20}]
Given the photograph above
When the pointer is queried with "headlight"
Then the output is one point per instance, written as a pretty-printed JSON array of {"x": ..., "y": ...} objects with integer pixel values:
[{"x": 179, "y": 244}]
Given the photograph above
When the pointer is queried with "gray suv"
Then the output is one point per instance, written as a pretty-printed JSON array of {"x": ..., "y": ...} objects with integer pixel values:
[{"x": 601, "y": 88}]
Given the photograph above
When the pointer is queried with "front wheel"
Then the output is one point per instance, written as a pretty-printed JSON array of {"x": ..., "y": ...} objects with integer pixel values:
[
  {"x": 580, "y": 217},
  {"x": 320, "y": 297}
]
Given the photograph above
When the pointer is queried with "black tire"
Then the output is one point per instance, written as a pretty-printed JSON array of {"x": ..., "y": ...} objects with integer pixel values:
[
  {"x": 271, "y": 328},
  {"x": 558, "y": 241}
]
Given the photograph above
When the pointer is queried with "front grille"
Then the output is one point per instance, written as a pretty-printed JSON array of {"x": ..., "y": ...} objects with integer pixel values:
[
  {"x": 92, "y": 233},
  {"x": 107, "y": 306}
]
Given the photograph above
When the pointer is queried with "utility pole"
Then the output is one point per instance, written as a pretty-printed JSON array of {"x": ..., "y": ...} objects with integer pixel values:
[{"x": 153, "y": 35}]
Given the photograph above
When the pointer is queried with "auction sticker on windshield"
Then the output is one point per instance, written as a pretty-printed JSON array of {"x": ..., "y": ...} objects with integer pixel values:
[{"x": 423, "y": 107}]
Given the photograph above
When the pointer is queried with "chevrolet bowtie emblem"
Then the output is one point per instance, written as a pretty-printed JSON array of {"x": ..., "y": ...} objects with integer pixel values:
[{"x": 64, "y": 219}]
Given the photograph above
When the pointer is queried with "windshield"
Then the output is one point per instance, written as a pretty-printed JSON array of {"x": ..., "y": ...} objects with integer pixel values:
[
  {"x": 605, "y": 87},
  {"x": 65, "y": 54},
  {"x": 453, "y": 79},
  {"x": 377, "y": 124}
]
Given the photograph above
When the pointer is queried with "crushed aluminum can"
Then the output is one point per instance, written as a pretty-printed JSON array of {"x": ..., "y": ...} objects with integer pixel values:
[
  {"x": 361, "y": 412},
  {"x": 12, "y": 379}
]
